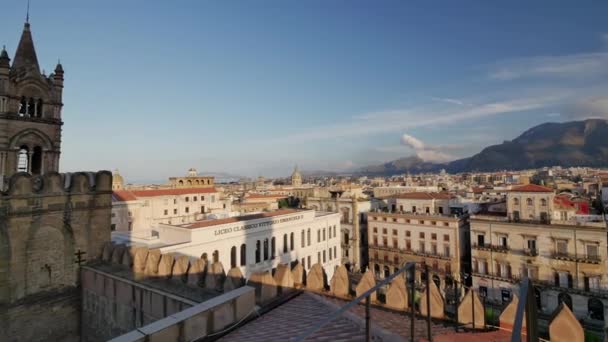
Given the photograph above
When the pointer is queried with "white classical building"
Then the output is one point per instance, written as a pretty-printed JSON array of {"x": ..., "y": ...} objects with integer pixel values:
[
  {"x": 136, "y": 210},
  {"x": 254, "y": 243}
]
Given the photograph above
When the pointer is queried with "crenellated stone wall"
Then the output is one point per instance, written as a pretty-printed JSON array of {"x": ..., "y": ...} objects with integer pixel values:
[{"x": 44, "y": 221}]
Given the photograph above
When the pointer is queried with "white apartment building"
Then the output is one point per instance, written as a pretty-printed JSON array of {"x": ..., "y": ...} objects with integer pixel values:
[
  {"x": 256, "y": 242},
  {"x": 135, "y": 210}
]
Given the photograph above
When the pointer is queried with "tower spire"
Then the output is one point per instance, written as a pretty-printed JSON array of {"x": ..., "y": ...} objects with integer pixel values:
[{"x": 27, "y": 15}]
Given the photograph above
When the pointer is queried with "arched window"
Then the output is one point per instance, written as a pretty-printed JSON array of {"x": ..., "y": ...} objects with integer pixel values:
[
  {"x": 181, "y": 182},
  {"x": 216, "y": 256},
  {"x": 387, "y": 272},
  {"x": 39, "y": 108},
  {"x": 376, "y": 269},
  {"x": 529, "y": 201},
  {"x": 308, "y": 236},
  {"x": 543, "y": 202},
  {"x": 285, "y": 243},
  {"x": 23, "y": 159},
  {"x": 31, "y": 107},
  {"x": 566, "y": 299},
  {"x": 258, "y": 251},
  {"x": 595, "y": 307},
  {"x": 243, "y": 255},
  {"x": 189, "y": 182},
  {"x": 265, "y": 249},
  {"x": 516, "y": 201},
  {"x": 36, "y": 168},
  {"x": 273, "y": 247},
  {"x": 291, "y": 242},
  {"x": 233, "y": 257},
  {"x": 22, "y": 106}
]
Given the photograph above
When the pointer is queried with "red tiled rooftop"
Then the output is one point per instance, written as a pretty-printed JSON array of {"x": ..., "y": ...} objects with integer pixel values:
[
  {"x": 422, "y": 195},
  {"x": 531, "y": 188},
  {"x": 132, "y": 195},
  {"x": 209, "y": 223}
]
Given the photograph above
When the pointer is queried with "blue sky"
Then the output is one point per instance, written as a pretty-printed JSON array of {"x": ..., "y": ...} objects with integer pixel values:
[{"x": 252, "y": 88}]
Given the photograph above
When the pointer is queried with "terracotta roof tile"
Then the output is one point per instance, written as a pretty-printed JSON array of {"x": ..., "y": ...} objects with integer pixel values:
[
  {"x": 531, "y": 188},
  {"x": 132, "y": 195}
]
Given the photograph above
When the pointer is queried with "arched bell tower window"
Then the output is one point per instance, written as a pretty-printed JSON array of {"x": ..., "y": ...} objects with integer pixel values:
[
  {"x": 22, "y": 106},
  {"x": 31, "y": 107},
  {"x": 36, "y": 168},
  {"x": 39, "y": 108},
  {"x": 22, "y": 159}
]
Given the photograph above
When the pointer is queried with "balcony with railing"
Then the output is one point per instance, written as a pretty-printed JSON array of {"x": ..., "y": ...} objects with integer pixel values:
[
  {"x": 424, "y": 254},
  {"x": 573, "y": 288},
  {"x": 493, "y": 248},
  {"x": 510, "y": 278},
  {"x": 582, "y": 258},
  {"x": 531, "y": 252}
]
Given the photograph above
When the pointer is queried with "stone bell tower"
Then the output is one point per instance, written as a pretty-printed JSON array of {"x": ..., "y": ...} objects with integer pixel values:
[{"x": 30, "y": 112}]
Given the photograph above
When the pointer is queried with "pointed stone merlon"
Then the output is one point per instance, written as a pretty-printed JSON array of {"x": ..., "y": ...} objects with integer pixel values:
[
  {"x": 437, "y": 306},
  {"x": 284, "y": 278},
  {"x": 315, "y": 280},
  {"x": 565, "y": 327},
  {"x": 234, "y": 279},
  {"x": 214, "y": 279},
  {"x": 465, "y": 311},
  {"x": 340, "y": 282},
  {"x": 397, "y": 296},
  {"x": 367, "y": 282},
  {"x": 507, "y": 317},
  {"x": 265, "y": 287},
  {"x": 299, "y": 275}
]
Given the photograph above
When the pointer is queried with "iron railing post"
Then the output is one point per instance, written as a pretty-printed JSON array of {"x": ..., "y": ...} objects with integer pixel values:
[
  {"x": 428, "y": 303},
  {"x": 368, "y": 331},
  {"x": 472, "y": 307},
  {"x": 531, "y": 315},
  {"x": 456, "y": 303},
  {"x": 411, "y": 278}
]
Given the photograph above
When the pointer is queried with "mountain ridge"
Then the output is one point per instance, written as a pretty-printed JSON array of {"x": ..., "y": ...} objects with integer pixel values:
[{"x": 573, "y": 143}]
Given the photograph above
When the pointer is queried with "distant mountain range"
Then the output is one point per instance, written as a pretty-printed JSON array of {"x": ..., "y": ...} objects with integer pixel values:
[{"x": 575, "y": 143}]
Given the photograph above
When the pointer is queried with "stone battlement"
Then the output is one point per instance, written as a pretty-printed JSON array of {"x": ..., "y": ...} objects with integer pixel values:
[{"x": 57, "y": 184}]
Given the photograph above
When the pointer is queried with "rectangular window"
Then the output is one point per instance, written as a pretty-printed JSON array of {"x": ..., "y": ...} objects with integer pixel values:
[
  {"x": 433, "y": 236},
  {"x": 166, "y": 212},
  {"x": 421, "y": 247},
  {"x": 408, "y": 245},
  {"x": 303, "y": 264},
  {"x": 187, "y": 198},
  {"x": 446, "y": 237},
  {"x": 336, "y": 255},
  {"x": 408, "y": 233},
  {"x": 446, "y": 250},
  {"x": 383, "y": 230},
  {"x": 395, "y": 244},
  {"x": 308, "y": 259},
  {"x": 503, "y": 241},
  {"x": 562, "y": 247},
  {"x": 481, "y": 240},
  {"x": 194, "y": 199},
  {"x": 592, "y": 251},
  {"x": 413, "y": 208},
  {"x": 384, "y": 241},
  {"x": 395, "y": 232},
  {"x": 174, "y": 211},
  {"x": 175, "y": 201},
  {"x": 375, "y": 229},
  {"x": 318, "y": 257},
  {"x": 434, "y": 249},
  {"x": 421, "y": 235},
  {"x": 187, "y": 210},
  {"x": 375, "y": 239},
  {"x": 323, "y": 234},
  {"x": 330, "y": 254},
  {"x": 318, "y": 235}
]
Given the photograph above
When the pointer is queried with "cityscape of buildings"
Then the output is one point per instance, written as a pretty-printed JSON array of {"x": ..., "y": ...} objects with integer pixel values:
[{"x": 88, "y": 256}]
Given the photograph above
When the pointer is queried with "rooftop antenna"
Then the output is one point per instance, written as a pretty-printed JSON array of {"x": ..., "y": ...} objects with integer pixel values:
[{"x": 27, "y": 16}]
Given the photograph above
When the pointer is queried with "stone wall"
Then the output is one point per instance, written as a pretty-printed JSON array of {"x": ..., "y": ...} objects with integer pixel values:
[
  {"x": 44, "y": 221},
  {"x": 199, "y": 321},
  {"x": 112, "y": 305}
]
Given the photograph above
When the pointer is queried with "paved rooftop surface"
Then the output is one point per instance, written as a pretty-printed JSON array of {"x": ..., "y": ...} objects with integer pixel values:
[{"x": 292, "y": 318}]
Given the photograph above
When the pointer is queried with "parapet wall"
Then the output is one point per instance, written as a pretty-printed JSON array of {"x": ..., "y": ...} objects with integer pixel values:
[
  {"x": 44, "y": 221},
  {"x": 112, "y": 306}
]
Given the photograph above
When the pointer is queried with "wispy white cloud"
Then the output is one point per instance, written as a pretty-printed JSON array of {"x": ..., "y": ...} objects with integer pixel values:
[
  {"x": 424, "y": 151},
  {"x": 573, "y": 65},
  {"x": 448, "y": 100}
]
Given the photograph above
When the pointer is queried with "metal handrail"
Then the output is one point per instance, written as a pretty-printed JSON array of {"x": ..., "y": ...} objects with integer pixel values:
[
  {"x": 366, "y": 295},
  {"x": 526, "y": 305}
]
